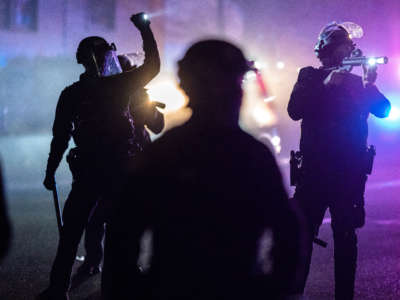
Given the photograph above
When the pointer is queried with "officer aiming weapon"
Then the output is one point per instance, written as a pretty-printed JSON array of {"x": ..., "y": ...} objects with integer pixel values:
[
  {"x": 357, "y": 59},
  {"x": 328, "y": 37}
]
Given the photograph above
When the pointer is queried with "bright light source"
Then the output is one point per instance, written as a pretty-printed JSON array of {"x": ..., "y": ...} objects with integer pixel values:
[
  {"x": 263, "y": 115},
  {"x": 250, "y": 75},
  {"x": 269, "y": 99},
  {"x": 276, "y": 140},
  {"x": 167, "y": 92},
  {"x": 380, "y": 60},
  {"x": 259, "y": 65},
  {"x": 394, "y": 114},
  {"x": 145, "y": 17},
  {"x": 280, "y": 65},
  {"x": 372, "y": 61}
]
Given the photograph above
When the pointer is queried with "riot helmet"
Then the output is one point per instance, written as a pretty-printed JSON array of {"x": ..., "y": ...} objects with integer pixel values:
[
  {"x": 336, "y": 34},
  {"x": 98, "y": 56}
]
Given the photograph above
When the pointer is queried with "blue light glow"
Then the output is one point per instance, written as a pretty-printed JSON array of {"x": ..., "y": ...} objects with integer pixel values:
[
  {"x": 392, "y": 121},
  {"x": 394, "y": 114}
]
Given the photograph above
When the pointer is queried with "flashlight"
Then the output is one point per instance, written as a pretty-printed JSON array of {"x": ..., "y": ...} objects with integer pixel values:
[{"x": 371, "y": 61}]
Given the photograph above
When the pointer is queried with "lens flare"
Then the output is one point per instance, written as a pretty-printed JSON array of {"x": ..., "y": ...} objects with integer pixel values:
[{"x": 372, "y": 61}]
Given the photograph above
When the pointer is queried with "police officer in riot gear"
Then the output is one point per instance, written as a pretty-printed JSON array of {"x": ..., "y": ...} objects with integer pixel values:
[
  {"x": 94, "y": 111},
  {"x": 334, "y": 105},
  {"x": 142, "y": 112}
]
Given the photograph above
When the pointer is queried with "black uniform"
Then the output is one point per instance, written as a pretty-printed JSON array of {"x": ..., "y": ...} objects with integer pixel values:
[
  {"x": 333, "y": 142},
  {"x": 147, "y": 115},
  {"x": 94, "y": 111},
  {"x": 210, "y": 193}
]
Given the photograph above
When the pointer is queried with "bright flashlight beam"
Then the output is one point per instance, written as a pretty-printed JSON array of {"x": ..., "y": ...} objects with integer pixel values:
[
  {"x": 372, "y": 61},
  {"x": 145, "y": 17},
  {"x": 381, "y": 60}
]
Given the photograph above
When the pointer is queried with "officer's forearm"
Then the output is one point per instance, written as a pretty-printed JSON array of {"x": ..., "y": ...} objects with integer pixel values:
[
  {"x": 296, "y": 103},
  {"x": 152, "y": 61},
  {"x": 57, "y": 149}
]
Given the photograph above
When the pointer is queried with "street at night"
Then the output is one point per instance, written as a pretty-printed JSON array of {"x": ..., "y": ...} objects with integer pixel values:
[{"x": 25, "y": 271}]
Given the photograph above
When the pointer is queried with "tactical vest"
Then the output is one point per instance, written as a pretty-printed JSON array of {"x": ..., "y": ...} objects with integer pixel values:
[{"x": 101, "y": 119}]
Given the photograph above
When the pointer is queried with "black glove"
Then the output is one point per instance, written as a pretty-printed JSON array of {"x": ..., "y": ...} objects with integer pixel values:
[
  {"x": 49, "y": 182},
  {"x": 140, "y": 20}
]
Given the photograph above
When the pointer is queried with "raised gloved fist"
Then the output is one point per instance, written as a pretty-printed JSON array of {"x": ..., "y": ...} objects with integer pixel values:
[
  {"x": 49, "y": 182},
  {"x": 140, "y": 20}
]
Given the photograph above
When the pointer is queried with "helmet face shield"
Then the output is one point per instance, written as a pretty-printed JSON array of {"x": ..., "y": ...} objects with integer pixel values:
[
  {"x": 111, "y": 65},
  {"x": 102, "y": 57}
]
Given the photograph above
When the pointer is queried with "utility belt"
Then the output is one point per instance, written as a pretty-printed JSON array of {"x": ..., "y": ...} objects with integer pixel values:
[
  {"x": 297, "y": 168},
  {"x": 80, "y": 160},
  {"x": 81, "y": 163}
]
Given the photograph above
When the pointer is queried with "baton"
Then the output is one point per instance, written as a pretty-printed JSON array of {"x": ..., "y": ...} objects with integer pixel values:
[
  {"x": 57, "y": 208},
  {"x": 59, "y": 219}
]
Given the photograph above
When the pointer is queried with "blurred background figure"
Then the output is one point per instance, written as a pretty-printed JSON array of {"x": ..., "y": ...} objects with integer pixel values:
[{"x": 213, "y": 196}]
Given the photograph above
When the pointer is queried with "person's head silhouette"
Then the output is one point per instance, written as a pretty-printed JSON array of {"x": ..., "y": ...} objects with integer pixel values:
[{"x": 211, "y": 74}]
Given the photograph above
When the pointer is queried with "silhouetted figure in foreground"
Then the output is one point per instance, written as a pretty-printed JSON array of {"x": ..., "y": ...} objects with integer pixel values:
[
  {"x": 142, "y": 113},
  {"x": 94, "y": 111},
  {"x": 5, "y": 228},
  {"x": 210, "y": 194},
  {"x": 334, "y": 106}
]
